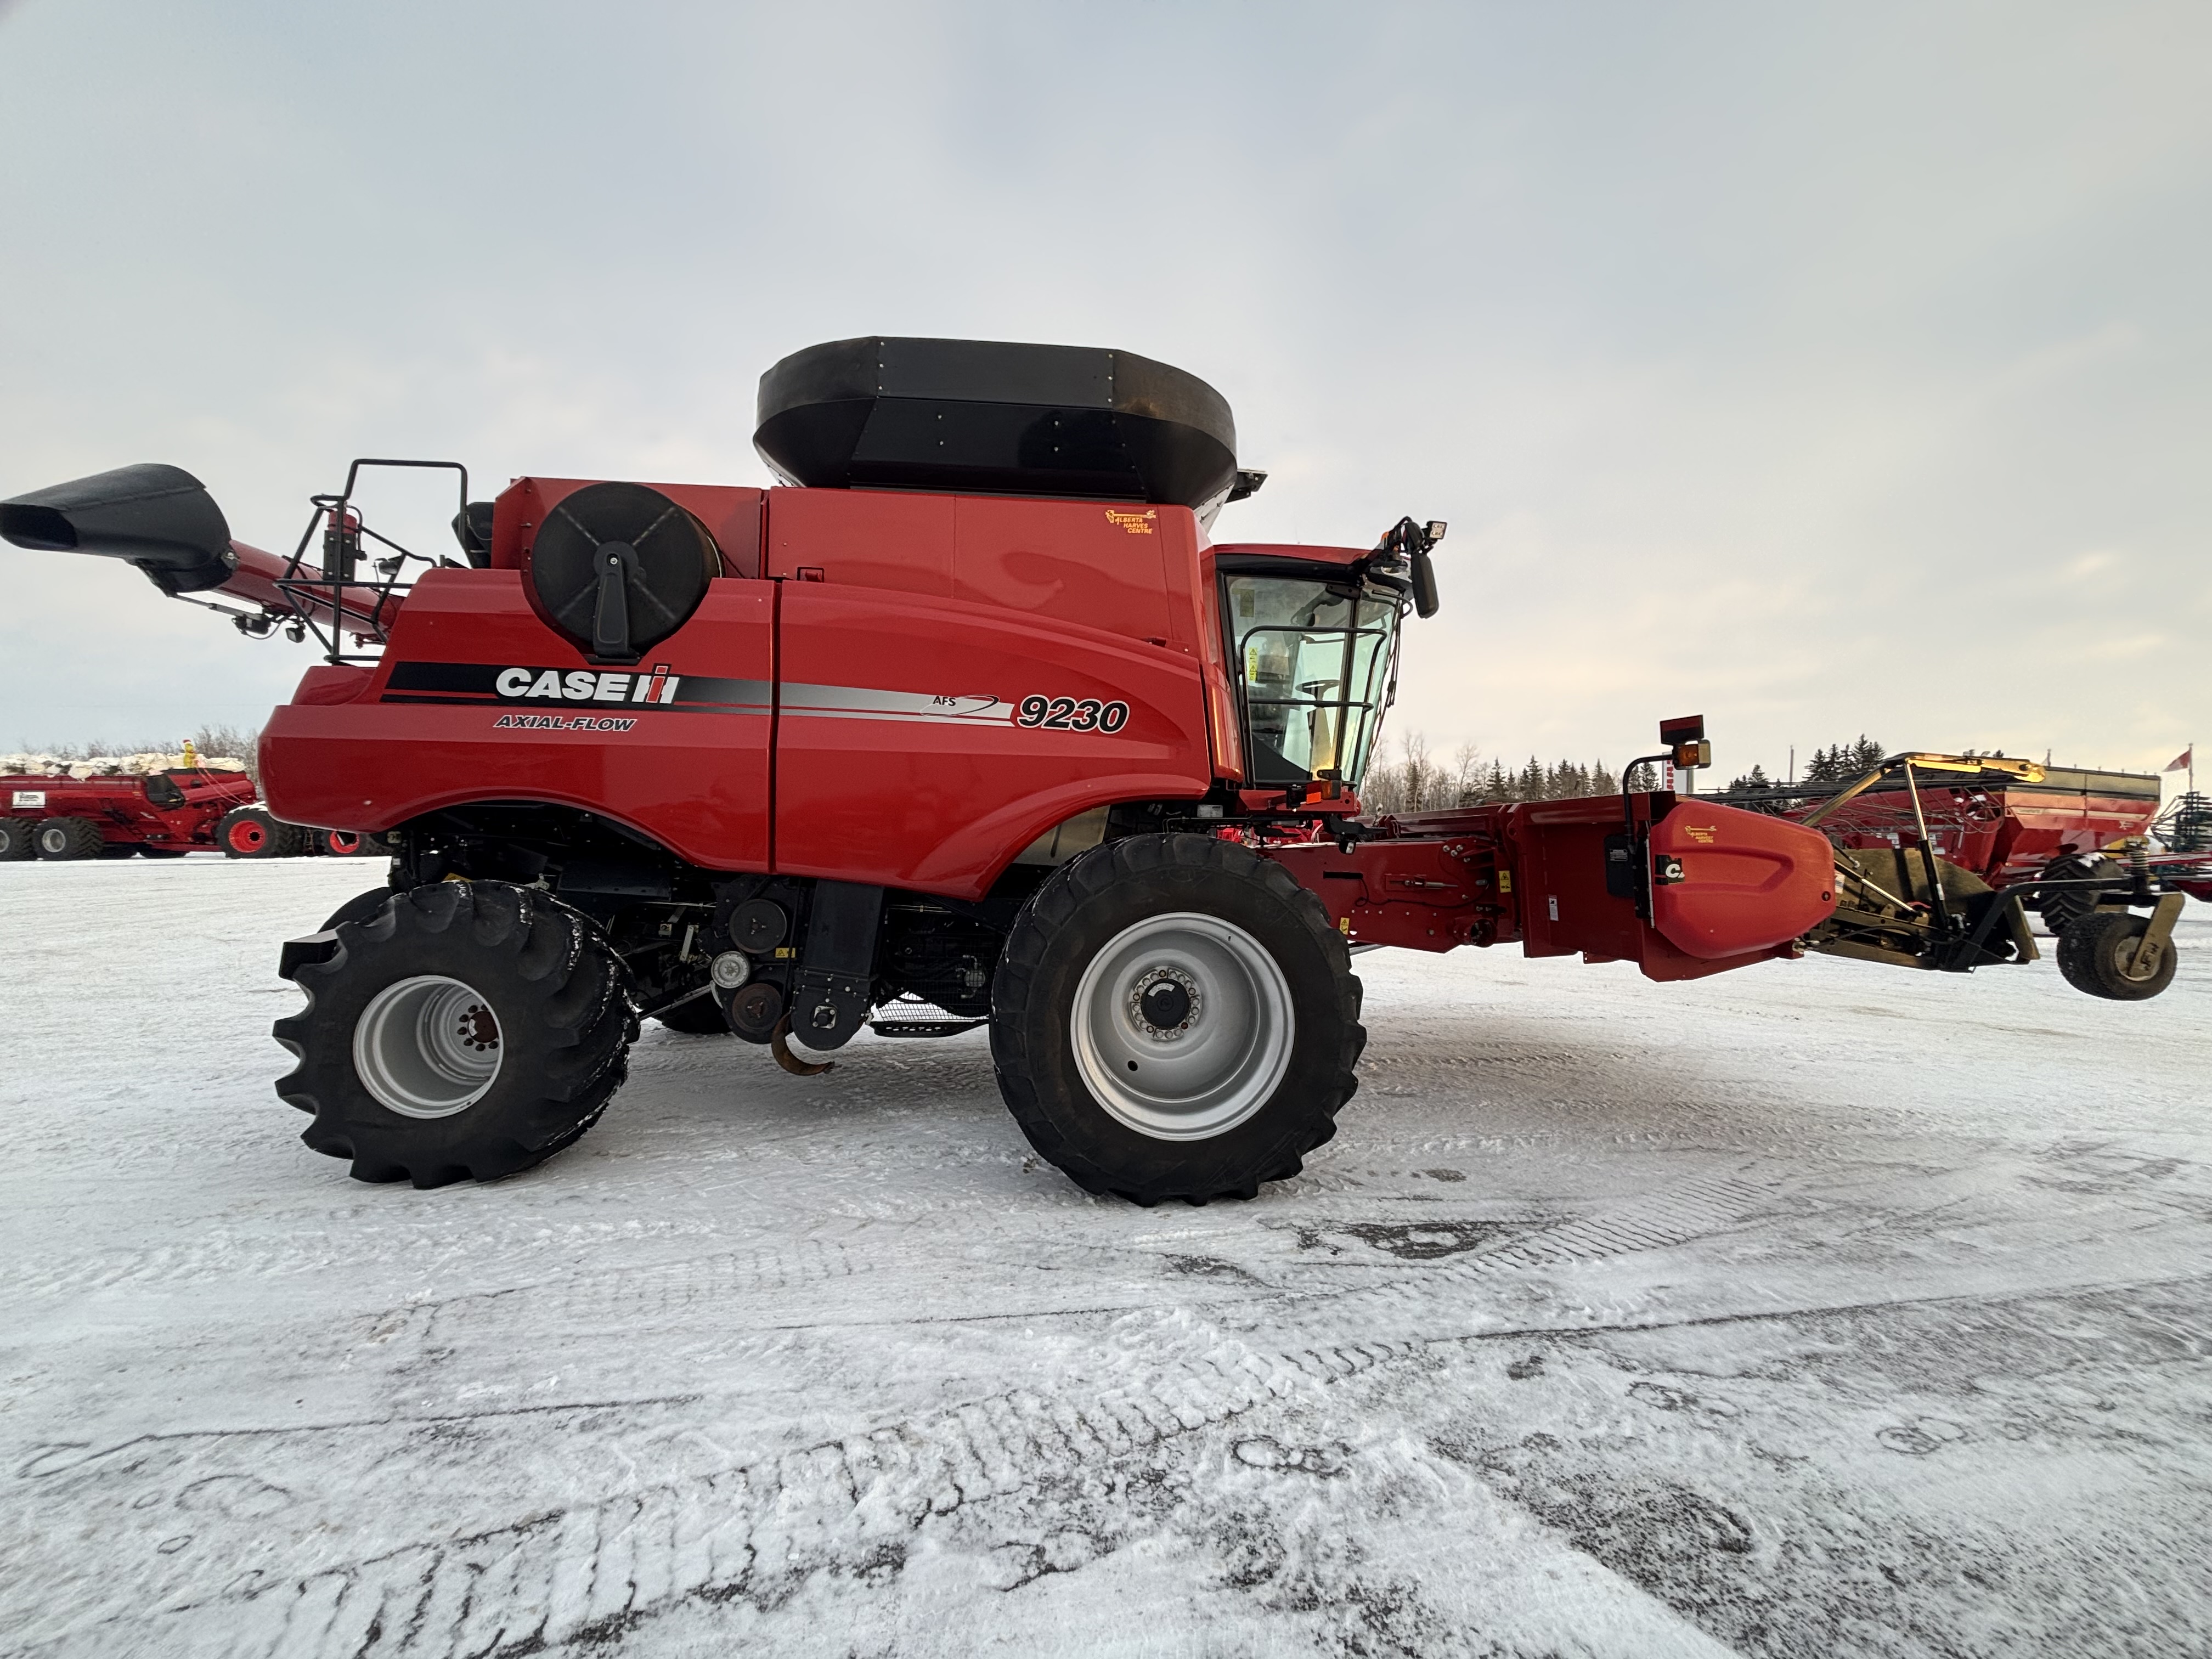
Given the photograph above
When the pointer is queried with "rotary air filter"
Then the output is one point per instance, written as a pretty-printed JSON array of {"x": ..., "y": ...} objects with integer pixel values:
[{"x": 618, "y": 568}]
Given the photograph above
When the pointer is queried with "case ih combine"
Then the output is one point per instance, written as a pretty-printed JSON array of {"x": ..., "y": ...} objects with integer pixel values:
[{"x": 970, "y": 723}]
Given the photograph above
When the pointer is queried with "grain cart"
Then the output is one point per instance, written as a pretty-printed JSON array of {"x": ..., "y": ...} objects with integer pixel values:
[
  {"x": 159, "y": 814},
  {"x": 968, "y": 721}
]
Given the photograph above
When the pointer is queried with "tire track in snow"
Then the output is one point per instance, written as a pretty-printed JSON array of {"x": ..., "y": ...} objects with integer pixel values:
[
  {"x": 769, "y": 1265},
  {"x": 849, "y": 1506}
]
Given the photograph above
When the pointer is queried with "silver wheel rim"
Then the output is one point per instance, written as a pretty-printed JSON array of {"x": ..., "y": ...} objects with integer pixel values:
[
  {"x": 427, "y": 1046},
  {"x": 1224, "y": 1055}
]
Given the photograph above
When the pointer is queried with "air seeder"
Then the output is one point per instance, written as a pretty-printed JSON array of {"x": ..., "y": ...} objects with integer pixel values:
[{"x": 968, "y": 722}]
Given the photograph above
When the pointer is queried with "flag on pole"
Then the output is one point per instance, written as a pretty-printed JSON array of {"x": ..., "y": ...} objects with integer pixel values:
[{"x": 2184, "y": 761}]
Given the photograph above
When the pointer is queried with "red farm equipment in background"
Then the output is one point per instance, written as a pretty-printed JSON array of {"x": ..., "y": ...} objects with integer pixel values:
[
  {"x": 969, "y": 722},
  {"x": 162, "y": 814}
]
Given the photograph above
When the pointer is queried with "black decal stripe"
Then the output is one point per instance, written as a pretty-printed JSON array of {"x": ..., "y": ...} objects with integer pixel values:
[{"x": 477, "y": 676}]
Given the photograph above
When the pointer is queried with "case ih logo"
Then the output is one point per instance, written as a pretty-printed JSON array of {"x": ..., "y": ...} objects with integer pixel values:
[
  {"x": 501, "y": 685},
  {"x": 1137, "y": 524},
  {"x": 586, "y": 685}
]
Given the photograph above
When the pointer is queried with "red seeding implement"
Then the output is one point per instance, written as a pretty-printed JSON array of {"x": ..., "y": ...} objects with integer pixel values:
[
  {"x": 157, "y": 815},
  {"x": 968, "y": 723}
]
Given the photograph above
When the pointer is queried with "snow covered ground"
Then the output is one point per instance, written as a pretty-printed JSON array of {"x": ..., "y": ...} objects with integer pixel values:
[{"x": 1821, "y": 1309}]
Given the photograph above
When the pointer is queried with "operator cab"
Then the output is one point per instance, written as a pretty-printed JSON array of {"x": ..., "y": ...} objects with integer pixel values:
[{"x": 1311, "y": 634}]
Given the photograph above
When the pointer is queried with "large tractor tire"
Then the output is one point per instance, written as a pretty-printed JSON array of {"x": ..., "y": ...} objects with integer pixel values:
[
  {"x": 69, "y": 838},
  {"x": 2063, "y": 906},
  {"x": 2097, "y": 954},
  {"x": 465, "y": 1032},
  {"x": 18, "y": 839},
  {"x": 362, "y": 906},
  {"x": 700, "y": 1016},
  {"x": 1173, "y": 1017},
  {"x": 254, "y": 832}
]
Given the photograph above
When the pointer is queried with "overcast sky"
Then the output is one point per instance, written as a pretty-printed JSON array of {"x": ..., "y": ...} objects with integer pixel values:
[{"x": 1821, "y": 369}]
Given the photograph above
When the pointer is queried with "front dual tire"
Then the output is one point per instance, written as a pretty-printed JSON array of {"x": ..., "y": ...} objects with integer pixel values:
[{"x": 1173, "y": 1017}]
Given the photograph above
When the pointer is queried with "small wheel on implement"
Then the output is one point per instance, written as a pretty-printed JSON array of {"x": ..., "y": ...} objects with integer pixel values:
[
  {"x": 1173, "y": 1017},
  {"x": 2098, "y": 954},
  {"x": 69, "y": 838},
  {"x": 17, "y": 839},
  {"x": 697, "y": 1017},
  {"x": 254, "y": 832},
  {"x": 2063, "y": 906},
  {"x": 465, "y": 1030}
]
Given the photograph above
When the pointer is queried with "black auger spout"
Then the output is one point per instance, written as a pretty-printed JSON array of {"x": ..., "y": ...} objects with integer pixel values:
[{"x": 159, "y": 518}]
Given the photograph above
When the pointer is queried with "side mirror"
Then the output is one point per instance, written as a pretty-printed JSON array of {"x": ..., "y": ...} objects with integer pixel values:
[
  {"x": 1411, "y": 542},
  {"x": 1425, "y": 584}
]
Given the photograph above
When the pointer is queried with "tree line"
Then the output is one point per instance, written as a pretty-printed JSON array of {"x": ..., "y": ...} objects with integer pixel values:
[
  {"x": 1839, "y": 763},
  {"x": 1408, "y": 777}
]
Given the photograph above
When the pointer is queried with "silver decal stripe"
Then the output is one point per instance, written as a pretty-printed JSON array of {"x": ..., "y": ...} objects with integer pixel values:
[{"x": 860, "y": 702}]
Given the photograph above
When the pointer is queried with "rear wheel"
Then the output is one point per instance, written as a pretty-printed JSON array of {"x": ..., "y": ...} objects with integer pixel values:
[
  {"x": 2063, "y": 906},
  {"x": 2099, "y": 954},
  {"x": 69, "y": 838},
  {"x": 252, "y": 832},
  {"x": 350, "y": 844},
  {"x": 466, "y": 1030},
  {"x": 17, "y": 839},
  {"x": 1173, "y": 1017}
]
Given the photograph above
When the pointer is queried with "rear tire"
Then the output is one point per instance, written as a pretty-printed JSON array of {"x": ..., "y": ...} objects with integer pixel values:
[
  {"x": 254, "y": 832},
  {"x": 351, "y": 844},
  {"x": 17, "y": 839},
  {"x": 2064, "y": 906},
  {"x": 2096, "y": 952},
  {"x": 1173, "y": 1017},
  {"x": 466, "y": 1032},
  {"x": 362, "y": 906},
  {"x": 69, "y": 838}
]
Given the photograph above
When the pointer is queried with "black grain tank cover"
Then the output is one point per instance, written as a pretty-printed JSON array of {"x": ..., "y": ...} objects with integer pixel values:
[{"x": 985, "y": 416}]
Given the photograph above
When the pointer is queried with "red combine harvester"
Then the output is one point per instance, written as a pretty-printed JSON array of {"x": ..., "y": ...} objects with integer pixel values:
[
  {"x": 157, "y": 815},
  {"x": 970, "y": 723}
]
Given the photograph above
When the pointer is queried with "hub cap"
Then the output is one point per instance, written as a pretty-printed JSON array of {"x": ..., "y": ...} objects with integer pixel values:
[
  {"x": 1182, "y": 1026},
  {"x": 427, "y": 1046}
]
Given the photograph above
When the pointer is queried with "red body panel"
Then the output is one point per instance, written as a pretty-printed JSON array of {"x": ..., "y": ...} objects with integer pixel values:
[
  {"x": 1749, "y": 882},
  {"x": 693, "y": 773},
  {"x": 939, "y": 787},
  {"x": 887, "y": 666},
  {"x": 120, "y": 805}
]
